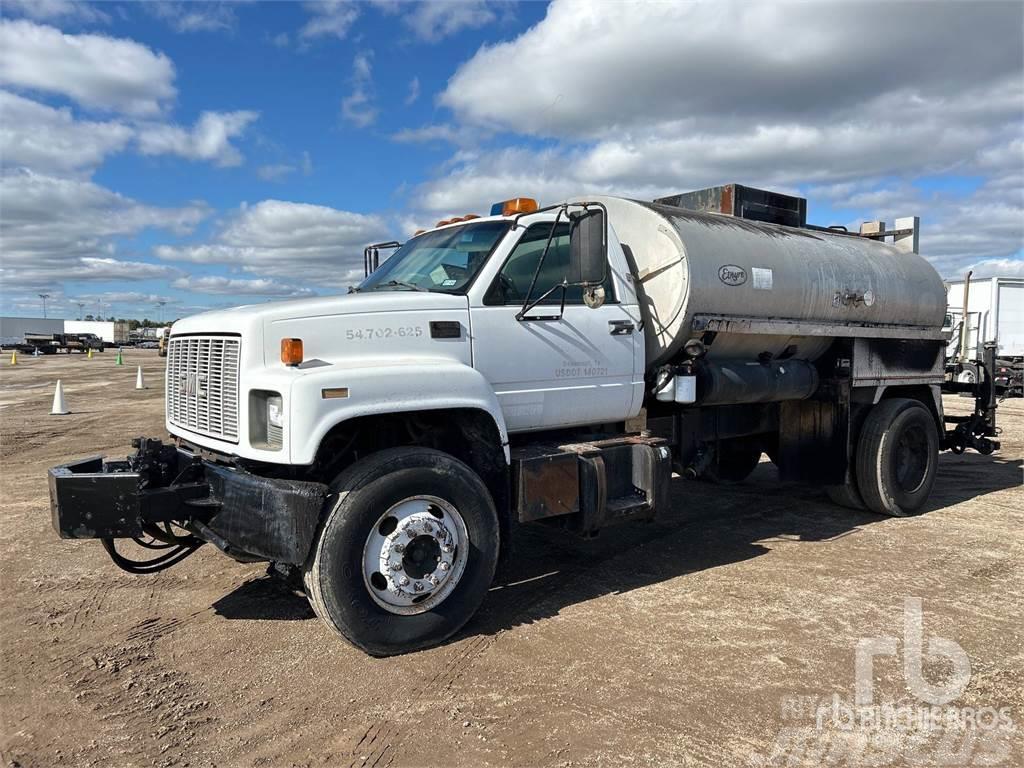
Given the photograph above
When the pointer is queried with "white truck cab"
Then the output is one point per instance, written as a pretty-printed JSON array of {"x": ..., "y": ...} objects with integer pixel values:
[{"x": 437, "y": 326}]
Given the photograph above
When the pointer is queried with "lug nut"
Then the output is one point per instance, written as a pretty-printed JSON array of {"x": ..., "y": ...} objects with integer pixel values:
[
  {"x": 417, "y": 587},
  {"x": 444, "y": 566},
  {"x": 399, "y": 548},
  {"x": 396, "y": 566},
  {"x": 404, "y": 581}
]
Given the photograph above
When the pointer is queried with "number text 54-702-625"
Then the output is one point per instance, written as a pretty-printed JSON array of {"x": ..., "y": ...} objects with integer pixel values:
[{"x": 366, "y": 334}]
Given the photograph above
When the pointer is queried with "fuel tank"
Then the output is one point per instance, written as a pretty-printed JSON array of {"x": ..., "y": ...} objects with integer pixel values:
[{"x": 765, "y": 288}]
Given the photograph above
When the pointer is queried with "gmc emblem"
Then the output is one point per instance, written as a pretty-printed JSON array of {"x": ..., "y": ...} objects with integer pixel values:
[{"x": 193, "y": 384}]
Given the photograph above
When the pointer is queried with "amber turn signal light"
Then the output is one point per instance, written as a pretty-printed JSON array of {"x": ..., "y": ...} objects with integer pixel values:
[{"x": 291, "y": 351}]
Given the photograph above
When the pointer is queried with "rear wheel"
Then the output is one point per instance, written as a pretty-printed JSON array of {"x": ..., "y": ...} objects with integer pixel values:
[
  {"x": 407, "y": 553},
  {"x": 734, "y": 460},
  {"x": 897, "y": 457},
  {"x": 845, "y": 495}
]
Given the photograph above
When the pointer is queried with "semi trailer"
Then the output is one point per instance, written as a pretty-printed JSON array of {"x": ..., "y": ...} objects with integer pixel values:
[{"x": 557, "y": 366}]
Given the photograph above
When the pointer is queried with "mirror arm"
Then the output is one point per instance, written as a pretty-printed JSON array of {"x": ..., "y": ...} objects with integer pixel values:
[
  {"x": 521, "y": 314},
  {"x": 540, "y": 263}
]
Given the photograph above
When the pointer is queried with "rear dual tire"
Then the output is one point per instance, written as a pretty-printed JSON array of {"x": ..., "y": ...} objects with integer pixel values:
[
  {"x": 734, "y": 461},
  {"x": 895, "y": 462}
]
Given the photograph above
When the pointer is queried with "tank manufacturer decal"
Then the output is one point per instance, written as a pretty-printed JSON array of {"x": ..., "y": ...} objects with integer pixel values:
[
  {"x": 730, "y": 274},
  {"x": 762, "y": 278}
]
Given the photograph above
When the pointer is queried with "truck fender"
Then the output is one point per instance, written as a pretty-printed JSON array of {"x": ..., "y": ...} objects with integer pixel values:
[{"x": 414, "y": 385}]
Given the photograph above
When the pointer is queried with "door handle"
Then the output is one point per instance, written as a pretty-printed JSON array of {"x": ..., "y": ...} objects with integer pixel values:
[{"x": 620, "y": 327}]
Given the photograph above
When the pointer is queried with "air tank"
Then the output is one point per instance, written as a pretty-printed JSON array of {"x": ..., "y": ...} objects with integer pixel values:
[{"x": 768, "y": 289}]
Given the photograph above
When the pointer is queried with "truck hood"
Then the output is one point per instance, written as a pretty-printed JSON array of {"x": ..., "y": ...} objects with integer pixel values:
[
  {"x": 376, "y": 326},
  {"x": 247, "y": 317}
]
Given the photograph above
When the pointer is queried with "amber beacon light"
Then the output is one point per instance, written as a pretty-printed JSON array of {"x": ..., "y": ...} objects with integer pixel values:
[{"x": 291, "y": 351}]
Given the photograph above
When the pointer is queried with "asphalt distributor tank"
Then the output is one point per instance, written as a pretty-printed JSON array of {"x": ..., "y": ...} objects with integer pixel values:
[{"x": 785, "y": 290}]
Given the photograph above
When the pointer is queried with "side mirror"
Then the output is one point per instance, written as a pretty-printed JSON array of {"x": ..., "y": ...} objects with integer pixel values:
[{"x": 588, "y": 248}]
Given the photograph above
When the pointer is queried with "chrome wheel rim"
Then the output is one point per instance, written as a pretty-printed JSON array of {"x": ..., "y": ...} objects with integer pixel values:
[{"x": 415, "y": 555}]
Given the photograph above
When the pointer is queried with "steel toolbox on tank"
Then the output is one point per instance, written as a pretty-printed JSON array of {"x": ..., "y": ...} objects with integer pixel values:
[{"x": 547, "y": 366}]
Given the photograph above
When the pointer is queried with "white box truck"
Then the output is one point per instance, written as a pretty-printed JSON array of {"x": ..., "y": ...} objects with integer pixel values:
[
  {"x": 988, "y": 310},
  {"x": 538, "y": 366}
]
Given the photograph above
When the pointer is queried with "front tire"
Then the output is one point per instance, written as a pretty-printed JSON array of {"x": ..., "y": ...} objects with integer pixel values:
[
  {"x": 897, "y": 457},
  {"x": 406, "y": 555}
]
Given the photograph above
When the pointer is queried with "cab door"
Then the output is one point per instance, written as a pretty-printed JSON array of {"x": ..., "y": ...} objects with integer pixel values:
[{"x": 556, "y": 368}]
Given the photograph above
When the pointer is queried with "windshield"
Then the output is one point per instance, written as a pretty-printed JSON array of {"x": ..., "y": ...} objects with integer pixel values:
[{"x": 445, "y": 260}]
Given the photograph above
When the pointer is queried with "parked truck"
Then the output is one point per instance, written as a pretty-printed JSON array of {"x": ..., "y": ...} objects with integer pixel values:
[
  {"x": 989, "y": 310},
  {"x": 54, "y": 343},
  {"x": 549, "y": 366}
]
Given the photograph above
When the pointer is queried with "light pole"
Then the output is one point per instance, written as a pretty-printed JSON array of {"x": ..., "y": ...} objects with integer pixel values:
[
  {"x": 44, "y": 297},
  {"x": 81, "y": 308},
  {"x": 160, "y": 311}
]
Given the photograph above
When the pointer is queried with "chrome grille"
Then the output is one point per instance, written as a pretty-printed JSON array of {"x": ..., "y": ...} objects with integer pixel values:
[{"x": 202, "y": 385}]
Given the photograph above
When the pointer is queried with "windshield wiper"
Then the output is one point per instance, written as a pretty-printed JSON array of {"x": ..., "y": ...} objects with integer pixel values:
[{"x": 400, "y": 284}]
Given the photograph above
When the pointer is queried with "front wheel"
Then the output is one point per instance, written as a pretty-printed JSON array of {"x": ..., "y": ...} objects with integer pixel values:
[{"x": 406, "y": 555}]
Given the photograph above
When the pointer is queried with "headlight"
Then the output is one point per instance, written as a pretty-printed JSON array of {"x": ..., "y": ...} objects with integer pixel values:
[
  {"x": 275, "y": 411},
  {"x": 266, "y": 420}
]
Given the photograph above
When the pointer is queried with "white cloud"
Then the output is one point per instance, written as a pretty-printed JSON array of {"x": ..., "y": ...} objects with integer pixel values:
[
  {"x": 329, "y": 18},
  {"x": 591, "y": 69},
  {"x": 209, "y": 139},
  {"x": 319, "y": 245},
  {"x": 435, "y": 20},
  {"x": 275, "y": 171},
  {"x": 63, "y": 229},
  {"x": 51, "y": 141},
  {"x": 414, "y": 91},
  {"x": 359, "y": 107},
  {"x": 995, "y": 268},
  {"x": 42, "y": 10},
  {"x": 460, "y": 135},
  {"x": 230, "y": 286},
  {"x": 207, "y": 16},
  {"x": 95, "y": 70}
]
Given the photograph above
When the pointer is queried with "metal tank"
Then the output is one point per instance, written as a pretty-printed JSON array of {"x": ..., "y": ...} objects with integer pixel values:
[{"x": 764, "y": 288}]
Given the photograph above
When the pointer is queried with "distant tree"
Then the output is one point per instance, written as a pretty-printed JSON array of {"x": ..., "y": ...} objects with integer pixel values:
[{"x": 88, "y": 317}]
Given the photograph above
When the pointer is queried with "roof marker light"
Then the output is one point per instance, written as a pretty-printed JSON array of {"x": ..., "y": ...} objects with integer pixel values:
[{"x": 515, "y": 205}]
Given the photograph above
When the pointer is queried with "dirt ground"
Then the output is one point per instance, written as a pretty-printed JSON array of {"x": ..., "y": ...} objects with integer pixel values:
[{"x": 713, "y": 636}]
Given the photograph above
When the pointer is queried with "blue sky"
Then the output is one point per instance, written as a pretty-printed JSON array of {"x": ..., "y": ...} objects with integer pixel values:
[{"x": 210, "y": 154}]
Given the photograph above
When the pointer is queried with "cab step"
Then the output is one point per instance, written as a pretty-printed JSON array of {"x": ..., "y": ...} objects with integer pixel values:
[{"x": 591, "y": 485}]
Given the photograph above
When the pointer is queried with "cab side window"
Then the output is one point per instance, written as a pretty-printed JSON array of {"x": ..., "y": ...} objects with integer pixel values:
[{"x": 513, "y": 282}]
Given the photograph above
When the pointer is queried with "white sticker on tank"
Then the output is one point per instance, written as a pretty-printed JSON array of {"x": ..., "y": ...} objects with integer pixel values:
[{"x": 762, "y": 278}]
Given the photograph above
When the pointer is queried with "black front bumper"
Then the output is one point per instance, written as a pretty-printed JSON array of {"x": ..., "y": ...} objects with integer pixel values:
[{"x": 246, "y": 515}]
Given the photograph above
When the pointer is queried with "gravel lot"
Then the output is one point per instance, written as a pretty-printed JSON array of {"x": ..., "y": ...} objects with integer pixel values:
[{"x": 710, "y": 637}]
